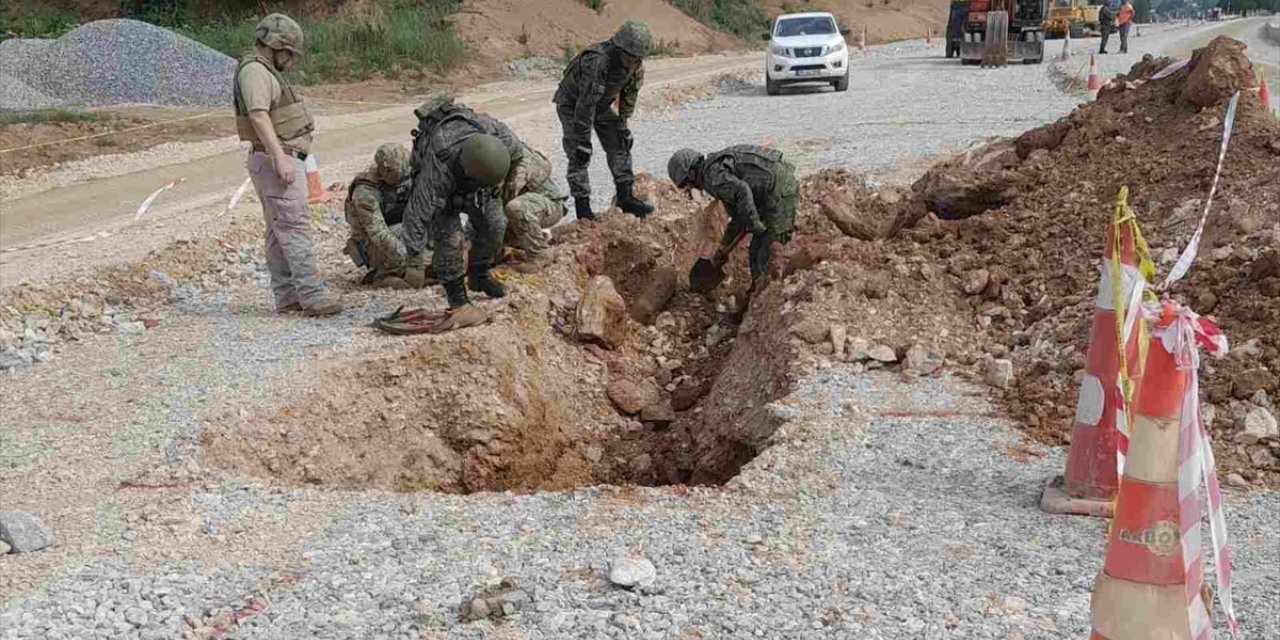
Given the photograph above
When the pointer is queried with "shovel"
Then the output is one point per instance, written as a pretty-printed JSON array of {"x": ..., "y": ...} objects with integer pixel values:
[{"x": 706, "y": 275}]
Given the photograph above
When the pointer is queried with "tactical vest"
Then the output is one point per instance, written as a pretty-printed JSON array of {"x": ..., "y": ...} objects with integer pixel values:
[
  {"x": 392, "y": 199},
  {"x": 751, "y": 163},
  {"x": 614, "y": 80},
  {"x": 289, "y": 117}
]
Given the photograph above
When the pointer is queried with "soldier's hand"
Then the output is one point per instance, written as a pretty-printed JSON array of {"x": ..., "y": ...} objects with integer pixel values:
[
  {"x": 416, "y": 277},
  {"x": 285, "y": 170}
]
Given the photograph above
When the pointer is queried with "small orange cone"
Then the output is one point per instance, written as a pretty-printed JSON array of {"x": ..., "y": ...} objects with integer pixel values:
[
  {"x": 1264, "y": 93},
  {"x": 1094, "y": 82},
  {"x": 928, "y": 37},
  {"x": 315, "y": 192}
]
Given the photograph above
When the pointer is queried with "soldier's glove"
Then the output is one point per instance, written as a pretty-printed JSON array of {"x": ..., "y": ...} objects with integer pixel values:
[
  {"x": 784, "y": 237},
  {"x": 757, "y": 226},
  {"x": 416, "y": 276}
]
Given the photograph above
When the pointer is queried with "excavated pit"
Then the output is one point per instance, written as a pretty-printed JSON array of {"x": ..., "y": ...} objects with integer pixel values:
[{"x": 528, "y": 402}]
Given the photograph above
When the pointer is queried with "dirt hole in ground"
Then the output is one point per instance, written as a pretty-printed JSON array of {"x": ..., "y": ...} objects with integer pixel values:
[{"x": 655, "y": 390}]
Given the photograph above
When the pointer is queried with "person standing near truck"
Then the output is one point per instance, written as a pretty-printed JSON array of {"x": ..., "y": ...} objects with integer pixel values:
[
  {"x": 1125, "y": 20},
  {"x": 271, "y": 117},
  {"x": 1106, "y": 24}
]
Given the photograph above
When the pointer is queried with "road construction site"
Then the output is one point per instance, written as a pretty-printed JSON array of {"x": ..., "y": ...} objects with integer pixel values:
[{"x": 862, "y": 457}]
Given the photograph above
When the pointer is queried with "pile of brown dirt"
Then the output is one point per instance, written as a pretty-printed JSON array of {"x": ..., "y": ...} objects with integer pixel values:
[
  {"x": 885, "y": 21},
  {"x": 1040, "y": 249}
]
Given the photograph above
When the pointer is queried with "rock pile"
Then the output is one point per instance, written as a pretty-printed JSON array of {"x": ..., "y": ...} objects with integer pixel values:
[{"x": 113, "y": 62}]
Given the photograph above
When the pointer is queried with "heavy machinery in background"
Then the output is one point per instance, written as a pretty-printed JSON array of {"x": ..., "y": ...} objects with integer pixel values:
[
  {"x": 1071, "y": 16},
  {"x": 997, "y": 32}
]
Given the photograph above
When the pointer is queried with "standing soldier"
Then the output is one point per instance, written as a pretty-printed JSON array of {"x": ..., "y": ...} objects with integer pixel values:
[
  {"x": 272, "y": 117},
  {"x": 604, "y": 73},
  {"x": 374, "y": 211},
  {"x": 460, "y": 160},
  {"x": 758, "y": 189}
]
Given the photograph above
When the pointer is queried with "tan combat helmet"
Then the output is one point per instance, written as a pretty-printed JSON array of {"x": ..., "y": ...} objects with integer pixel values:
[
  {"x": 635, "y": 38},
  {"x": 392, "y": 162},
  {"x": 279, "y": 32}
]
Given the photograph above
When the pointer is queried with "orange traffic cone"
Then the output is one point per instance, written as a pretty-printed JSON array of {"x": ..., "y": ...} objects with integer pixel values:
[
  {"x": 1090, "y": 481},
  {"x": 315, "y": 192},
  {"x": 1264, "y": 93},
  {"x": 1094, "y": 82},
  {"x": 1142, "y": 591},
  {"x": 928, "y": 37}
]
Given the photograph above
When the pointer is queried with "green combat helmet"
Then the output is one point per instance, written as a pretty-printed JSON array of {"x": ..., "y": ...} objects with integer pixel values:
[
  {"x": 392, "y": 161},
  {"x": 680, "y": 164},
  {"x": 279, "y": 32},
  {"x": 635, "y": 38},
  {"x": 485, "y": 159}
]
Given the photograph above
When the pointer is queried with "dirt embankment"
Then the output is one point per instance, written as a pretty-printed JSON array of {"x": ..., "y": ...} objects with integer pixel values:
[
  {"x": 1028, "y": 267},
  {"x": 885, "y": 20}
]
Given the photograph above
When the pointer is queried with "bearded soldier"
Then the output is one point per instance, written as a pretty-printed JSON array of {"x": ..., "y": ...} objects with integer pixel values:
[
  {"x": 273, "y": 119},
  {"x": 758, "y": 189},
  {"x": 374, "y": 210},
  {"x": 604, "y": 74},
  {"x": 460, "y": 161}
]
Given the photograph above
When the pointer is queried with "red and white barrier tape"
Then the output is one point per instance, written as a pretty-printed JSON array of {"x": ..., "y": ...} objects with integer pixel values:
[
  {"x": 146, "y": 204},
  {"x": 1182, "y": 338},
  {"x": 235, "y": 198},
  {"x": 1189, "y": 254}
]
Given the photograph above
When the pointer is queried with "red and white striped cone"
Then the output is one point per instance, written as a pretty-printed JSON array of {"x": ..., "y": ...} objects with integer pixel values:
[
  {"x": 1094, "y": 81},
  {"x": 315, "y": 191},
  {"x": 1151, "y": 585},
  {"x": 1066, "y": 46},
  {"x": 1091, "y": 479}
]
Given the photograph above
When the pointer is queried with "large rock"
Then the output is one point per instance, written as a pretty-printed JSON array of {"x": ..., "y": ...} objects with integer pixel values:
[
  {"x": 656, "y": 295},
  {"x": 24, "y": 532},
  {"x": 602, "y": 314},
  {"x": 631, "y": 397},
  {"x": 660, "y": 413},
  {"x": 1258, "y": 425},
  {"x": 922, "y": 361},
  {"x": 954, "y": 193},
  {"x": 998, "y": 373},
  {"x": 1048, "y": 137},
  {"x": 1218, "y": 70},
  {"x": 632, "y": 571},
  {"x": 851, "y": 220}
]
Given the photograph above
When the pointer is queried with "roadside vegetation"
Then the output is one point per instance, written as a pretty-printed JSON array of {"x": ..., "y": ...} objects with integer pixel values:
[
  {"x": 51, "y": 116},
  {"x": 352, "y": 42},
  {"x": 742, "y": 18}
]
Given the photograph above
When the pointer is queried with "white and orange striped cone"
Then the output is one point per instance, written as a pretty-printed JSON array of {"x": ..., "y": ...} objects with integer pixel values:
[
  {"x": 862, "y": 39},
  {"x": 1066, "y": 46},
  {"x": 315, "y": 191},
  {"x": 1094, "y": 81},
  {"x": 1151, "y": 585},
  {"x": 1091, "y": 479}
]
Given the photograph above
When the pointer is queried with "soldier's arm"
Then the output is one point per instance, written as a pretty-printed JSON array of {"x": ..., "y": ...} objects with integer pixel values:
[
  {"x": 592, "y": 71},
  {"x": 734, "y": 194},
  {"x": 432, "y": 189},
  {"x": 368, "y": 214},
  {"x": 631, "y": 94}
]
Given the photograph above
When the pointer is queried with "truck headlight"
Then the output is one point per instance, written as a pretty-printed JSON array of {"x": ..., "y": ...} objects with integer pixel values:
[
  {"x": 779, "y": 50},
  {"x": 837, "y": 47}
]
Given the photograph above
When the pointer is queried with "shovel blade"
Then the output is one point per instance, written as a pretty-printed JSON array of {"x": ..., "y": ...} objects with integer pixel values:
[{"x": 705, "y": 276}]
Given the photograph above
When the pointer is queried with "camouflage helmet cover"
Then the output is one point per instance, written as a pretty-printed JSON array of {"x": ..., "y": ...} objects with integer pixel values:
[
  {"x": 680, "y": 164},
  {"x": 485, "y": 159},
  {"x": 392, "y": 163},
  {"x": 279, "y": 32},
  {"x": 634, "y": 37}
]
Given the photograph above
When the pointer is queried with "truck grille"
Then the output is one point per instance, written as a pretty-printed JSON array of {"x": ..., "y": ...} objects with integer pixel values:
[
  {"x": 807, "y": 67},
  {"x": 808, "y": 52}
]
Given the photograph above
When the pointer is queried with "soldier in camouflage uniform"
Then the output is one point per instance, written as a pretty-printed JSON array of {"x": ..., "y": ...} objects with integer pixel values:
[
  {"x": 374, "y": 210},
  {"x": 604, "y": 73},
  {"x": 533, "y": 203},
  {"x": 460, "y": 161},
  {"x": 758, "y": 188}
]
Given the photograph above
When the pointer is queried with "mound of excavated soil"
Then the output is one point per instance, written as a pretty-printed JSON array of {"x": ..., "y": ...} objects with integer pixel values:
[{"x": 1050, "y": 196}]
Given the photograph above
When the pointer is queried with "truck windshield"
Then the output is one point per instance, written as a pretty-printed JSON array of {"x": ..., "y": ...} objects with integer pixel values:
[{"x": 811, "y": 26}]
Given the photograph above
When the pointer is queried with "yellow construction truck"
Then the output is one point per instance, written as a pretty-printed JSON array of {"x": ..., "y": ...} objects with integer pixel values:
[{"x": 1071, "y": 16}]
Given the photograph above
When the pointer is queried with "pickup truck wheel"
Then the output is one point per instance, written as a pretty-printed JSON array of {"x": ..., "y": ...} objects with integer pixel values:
[
  {"x": 770, "y": 87},
  {"x": 842, "y": 83}
]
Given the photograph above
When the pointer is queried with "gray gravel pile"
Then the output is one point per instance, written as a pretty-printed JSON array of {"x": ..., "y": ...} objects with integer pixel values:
[{"x": 113, "y": 62}]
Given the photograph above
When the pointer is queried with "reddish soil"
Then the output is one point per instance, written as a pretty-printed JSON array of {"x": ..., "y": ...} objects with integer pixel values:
[{"x": 885, "y": 20}]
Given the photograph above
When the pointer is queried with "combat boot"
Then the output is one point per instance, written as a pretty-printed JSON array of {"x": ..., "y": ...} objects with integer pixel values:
[
  {"x": 582, "y": 209},
  {"x": 481, "y": 280},
  {"x": 456, "y": 293},
  {"x": 629, "y": 203}
]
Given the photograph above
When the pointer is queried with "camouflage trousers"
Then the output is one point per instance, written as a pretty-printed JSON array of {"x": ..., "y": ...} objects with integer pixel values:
[
  {"x": 291, "y": 255},
  {"x": 527, "y": 215},
  {"x": 487, "y": 227},
  {"x": 778, "y": 214},
  {"x": 615, "y": 139},
  {"x": 382, "y": 262}
]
